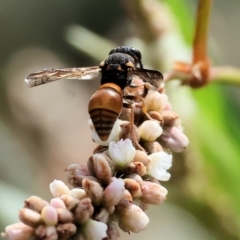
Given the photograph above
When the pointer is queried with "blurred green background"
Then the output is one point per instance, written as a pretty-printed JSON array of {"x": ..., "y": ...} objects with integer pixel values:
[{"x": 44, "y": 129}]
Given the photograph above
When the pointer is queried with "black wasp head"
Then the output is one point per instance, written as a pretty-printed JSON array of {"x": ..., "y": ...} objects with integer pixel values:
[
  {"x": 133, "y": 52},
  {"x": 118, "y": 68}
]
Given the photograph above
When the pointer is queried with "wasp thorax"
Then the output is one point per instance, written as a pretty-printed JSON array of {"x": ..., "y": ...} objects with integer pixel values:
[{"x": 104, "y": 108}]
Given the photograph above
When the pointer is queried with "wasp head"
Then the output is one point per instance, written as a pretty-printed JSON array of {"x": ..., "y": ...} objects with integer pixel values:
[
  {"x": 118, "y": 68},
  {"x": 133, "y": 52}
]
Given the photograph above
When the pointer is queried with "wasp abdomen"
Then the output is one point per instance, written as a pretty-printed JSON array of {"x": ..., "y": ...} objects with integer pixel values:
[{"x": 104, "y": 108}]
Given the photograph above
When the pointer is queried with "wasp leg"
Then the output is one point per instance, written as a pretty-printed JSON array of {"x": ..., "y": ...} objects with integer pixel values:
[
  {"x": 99, "y": 149},
  {"x": 132, "y": 85},
  {"x": 144, "y": 108},
  {"x": 130, "y": 128},
  {"x": 129, "y": 105}
]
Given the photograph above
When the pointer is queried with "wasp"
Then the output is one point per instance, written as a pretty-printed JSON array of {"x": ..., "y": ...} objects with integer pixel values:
[{"x": 115, "y": 73}]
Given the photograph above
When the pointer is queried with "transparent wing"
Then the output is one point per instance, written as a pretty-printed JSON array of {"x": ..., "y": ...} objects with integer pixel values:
[
  {"x": 153, "y": 77},
  {"x": 50, "y": 75}
]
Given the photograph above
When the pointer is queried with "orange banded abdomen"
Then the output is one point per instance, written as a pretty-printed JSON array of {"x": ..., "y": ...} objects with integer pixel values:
[{"x": 104, "y": 108}]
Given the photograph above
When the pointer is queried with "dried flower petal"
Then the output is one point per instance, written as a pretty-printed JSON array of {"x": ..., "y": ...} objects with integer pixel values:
[
  {"x": 66, "y": 230},
  {"x": 76, "y": 173},
  {"x": 136, "y": 167},
  {"x": 84, "y": 211},
  {"x": 46, "y": 232},
  {"x": 93, "y": 190}
]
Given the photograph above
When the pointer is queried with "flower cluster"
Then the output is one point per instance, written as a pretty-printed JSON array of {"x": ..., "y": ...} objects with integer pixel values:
[{"x": 119, "y": 181}]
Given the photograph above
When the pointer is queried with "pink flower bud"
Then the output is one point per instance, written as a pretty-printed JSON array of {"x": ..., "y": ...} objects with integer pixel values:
[
  {"x": 18, "y": 231},
  {"x": 174, "y": 139},
  {"x": 113, "y": 193},
  {"x": 49, "y": 215},
  {"x": 57, "y": 203}
]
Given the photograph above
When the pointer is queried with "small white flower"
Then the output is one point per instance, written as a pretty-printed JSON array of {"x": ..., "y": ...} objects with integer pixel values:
[
  {"x": 155, "y": 101},
  {"x": 160, "y": 162},
  {"x": 94, "y": 230},
  {"x": 114, "y": 136},
  {"x": 150, "y": 130},
  {"x": 122, "y": 152},
  {"x": 58, "y": 188},
  {"x": 78, "y": 193}
]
